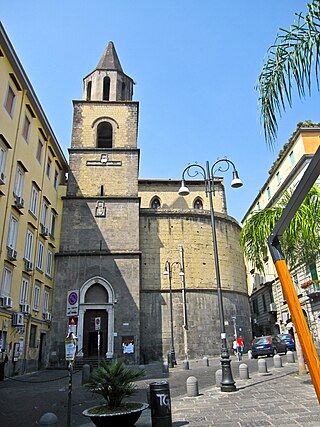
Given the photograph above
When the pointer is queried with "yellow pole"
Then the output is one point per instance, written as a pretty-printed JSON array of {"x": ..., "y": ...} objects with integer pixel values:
[{"x": 300, "y": 323}]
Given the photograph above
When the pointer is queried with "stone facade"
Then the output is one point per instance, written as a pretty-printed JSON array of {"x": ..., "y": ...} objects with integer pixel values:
[{"x": 115, "y": 242}]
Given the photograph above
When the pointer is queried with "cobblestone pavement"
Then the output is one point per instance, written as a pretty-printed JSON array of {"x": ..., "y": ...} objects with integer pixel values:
[{"x": 279, "y": 398}]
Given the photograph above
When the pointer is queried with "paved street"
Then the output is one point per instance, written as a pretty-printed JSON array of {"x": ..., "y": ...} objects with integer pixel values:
[{"x": 279, "y": 398}]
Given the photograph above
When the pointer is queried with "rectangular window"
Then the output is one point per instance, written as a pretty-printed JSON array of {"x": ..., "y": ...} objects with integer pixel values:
[
  {"x": 278, "y": 178},
  {"x": 12, "y": 232},
  {"x": 268, "y": 193},
  {"x": 45, "y": 305},
  {"x": 313, "y": 271},
  {"x": 3, "y": 157},
  {"x": 44, "y": 213},
  {"x": 3, "y": 340},
  {"x": 26, "y": 128},
  {"x": 258, "y": 207},
  {"x": 33, "y": 336},
  {"x": 28, "y": 249},
  {"x": 296, "y": 283},
  {"x": 34, "y": 200},
  {"x": 18, "y": 182},
  {"x": 36, "y": 297},
  {"x": 39, "y": 263},
  {"x": 24, "y": 290},
  {"x": 56, "y": 179},
  {"x": 291, "y": 156},
  {"x": 10, "y": 101},
  {"x": 264, "y": 303},
  {"x": 49, "y": 263},
  {"x": 255, "y": 306},
  {"x": 53, "y": 218},
  {"x": 48, "y": 169},
  {"x": 39, "y": 151},
  {"x": 6, "y": 282}
]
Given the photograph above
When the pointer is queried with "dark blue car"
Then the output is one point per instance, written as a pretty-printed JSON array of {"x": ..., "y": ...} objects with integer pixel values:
[
  {"x": 287, "y": 338},
  {"x": 267, "y": 346}
]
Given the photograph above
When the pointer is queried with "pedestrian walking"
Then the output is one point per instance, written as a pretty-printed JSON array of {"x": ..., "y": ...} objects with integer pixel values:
[
  {"x": 235, "y": 347},
  {"x": 240, "y": 347}
]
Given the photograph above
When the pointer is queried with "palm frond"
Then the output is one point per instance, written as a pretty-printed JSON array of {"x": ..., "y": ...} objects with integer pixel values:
[
  {"x": 293, "y": 57},
  {"x": 301, "y": 240}
]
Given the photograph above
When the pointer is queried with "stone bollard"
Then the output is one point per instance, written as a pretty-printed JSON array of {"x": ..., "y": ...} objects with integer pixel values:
[
  {"x": 262, "y": 366},
  {"x": 49, "y": 419},
  {"x": 218, "y": 377},
  {"x": 85, "y": 373},
  {"x": 290, "y": 357},
  {"x": 205, "y": 361},
  {"x": 249, "y": 354},
  {"x": 244, "y": 371},
  {"x": 277, "y": 361},
  {"x": 192, "y": 387},
  {"x": 186, "y": 364},
  {"x": 165, "y": 367}
]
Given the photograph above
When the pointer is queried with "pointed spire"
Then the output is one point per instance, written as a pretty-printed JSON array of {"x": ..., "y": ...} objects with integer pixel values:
[{"x": 109, "y": 59}]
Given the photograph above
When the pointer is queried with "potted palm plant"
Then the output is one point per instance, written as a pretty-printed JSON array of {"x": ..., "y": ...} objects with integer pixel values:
[{"x": 114, "y": 381}]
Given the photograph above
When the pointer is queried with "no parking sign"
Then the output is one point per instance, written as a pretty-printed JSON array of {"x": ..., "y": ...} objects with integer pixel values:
[{"x": 73, "y": 303}]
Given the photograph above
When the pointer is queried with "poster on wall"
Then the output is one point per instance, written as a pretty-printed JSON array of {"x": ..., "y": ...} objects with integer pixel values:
[{"x": 128, "y": 345}]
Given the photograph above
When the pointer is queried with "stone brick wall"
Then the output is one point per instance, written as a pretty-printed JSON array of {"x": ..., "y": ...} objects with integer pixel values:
[{"x": 161, "y": 231}]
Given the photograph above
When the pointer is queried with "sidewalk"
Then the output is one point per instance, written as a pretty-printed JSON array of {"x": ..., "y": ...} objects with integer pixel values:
[{"x": 279, "y": 398}]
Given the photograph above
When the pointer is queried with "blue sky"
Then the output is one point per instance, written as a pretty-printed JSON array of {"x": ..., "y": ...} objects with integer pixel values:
[{"x": 195, "y": 64}]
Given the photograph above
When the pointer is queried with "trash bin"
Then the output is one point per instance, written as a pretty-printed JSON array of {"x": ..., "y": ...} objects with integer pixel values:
[{"x": 160, "y": 404}]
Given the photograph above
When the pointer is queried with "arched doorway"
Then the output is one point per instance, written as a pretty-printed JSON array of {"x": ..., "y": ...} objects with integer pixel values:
[{"x": 96, "y": 307}]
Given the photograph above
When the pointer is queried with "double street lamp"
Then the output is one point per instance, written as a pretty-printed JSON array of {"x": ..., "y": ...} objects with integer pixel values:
[
  {"x": 207, "y": 173},
  {"x": 168, "y": 272}
]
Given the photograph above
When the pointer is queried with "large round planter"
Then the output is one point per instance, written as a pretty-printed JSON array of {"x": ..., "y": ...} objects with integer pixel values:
[{"x": 123, "y": 419}]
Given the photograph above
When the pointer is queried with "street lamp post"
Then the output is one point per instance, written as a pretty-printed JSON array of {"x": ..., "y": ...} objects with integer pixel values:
[
  {"x": 168, "y": 272},
  {"x": 227, "y": 382}
]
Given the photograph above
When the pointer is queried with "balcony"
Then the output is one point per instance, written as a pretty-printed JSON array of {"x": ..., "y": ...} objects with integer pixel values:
[{"x": 313, "y": 290}]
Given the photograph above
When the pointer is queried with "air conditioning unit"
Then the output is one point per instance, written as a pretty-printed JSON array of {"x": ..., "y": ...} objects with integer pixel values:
[
  {"x": 44, "y": 230},
  {"x": 7, "y": 302},
  {"x": 28, "y": 265},
  {"x": 273, "y": 307},
  {"x": 47, "y": 316},
  {"x": 25, "y": 308},
  {"x": 12, "y": 254},
  {"x": 2, "y": 178},
  {"x": 17, "y": 319},
  {"x": 19, "y": 202}
]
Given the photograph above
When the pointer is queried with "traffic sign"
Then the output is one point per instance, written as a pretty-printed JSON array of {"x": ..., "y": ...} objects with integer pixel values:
[
  {"x": 73, "y": 303},
  {"x": 97, "y": 323}
]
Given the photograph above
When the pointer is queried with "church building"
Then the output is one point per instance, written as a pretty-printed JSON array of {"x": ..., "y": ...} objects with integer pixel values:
[{"x": 119, "y": 235}]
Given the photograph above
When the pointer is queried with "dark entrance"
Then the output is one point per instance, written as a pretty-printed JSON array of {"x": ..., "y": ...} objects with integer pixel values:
[
  {"x": 90, "y": 341},
  {"x": 42, "y": 350}
]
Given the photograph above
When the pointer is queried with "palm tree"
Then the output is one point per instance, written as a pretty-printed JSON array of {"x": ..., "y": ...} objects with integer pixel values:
[
  {"x": 293, "y": 57},
  {"x": 301, "y": 240},
  {"x": 114, "y": 381}
]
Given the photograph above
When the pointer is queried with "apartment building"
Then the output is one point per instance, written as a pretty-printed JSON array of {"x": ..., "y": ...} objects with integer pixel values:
[
  {"x": 32, "y": 182},
  {"x": 270, "y": 313}
]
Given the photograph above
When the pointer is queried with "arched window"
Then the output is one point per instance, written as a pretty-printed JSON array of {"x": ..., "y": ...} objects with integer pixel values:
[
  {"x": 104, "y": 135},
  {"x": 106, "y": 88},
  {"x": 89, "y": 85},
  {"x": 155, "y": 203},
  {"x": 198, "y": 204}
]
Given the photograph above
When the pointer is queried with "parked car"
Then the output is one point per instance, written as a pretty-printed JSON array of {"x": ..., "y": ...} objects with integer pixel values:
[
  {"x": 287, "y": 338},
  {"x": 267, "y": 346}
]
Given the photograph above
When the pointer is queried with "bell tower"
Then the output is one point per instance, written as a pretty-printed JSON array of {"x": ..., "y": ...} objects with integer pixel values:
[{"x": 99, "y": 249}]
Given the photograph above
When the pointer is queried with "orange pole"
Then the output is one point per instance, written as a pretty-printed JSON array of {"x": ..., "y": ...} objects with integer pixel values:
[{"x": 308, "y": 348}]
